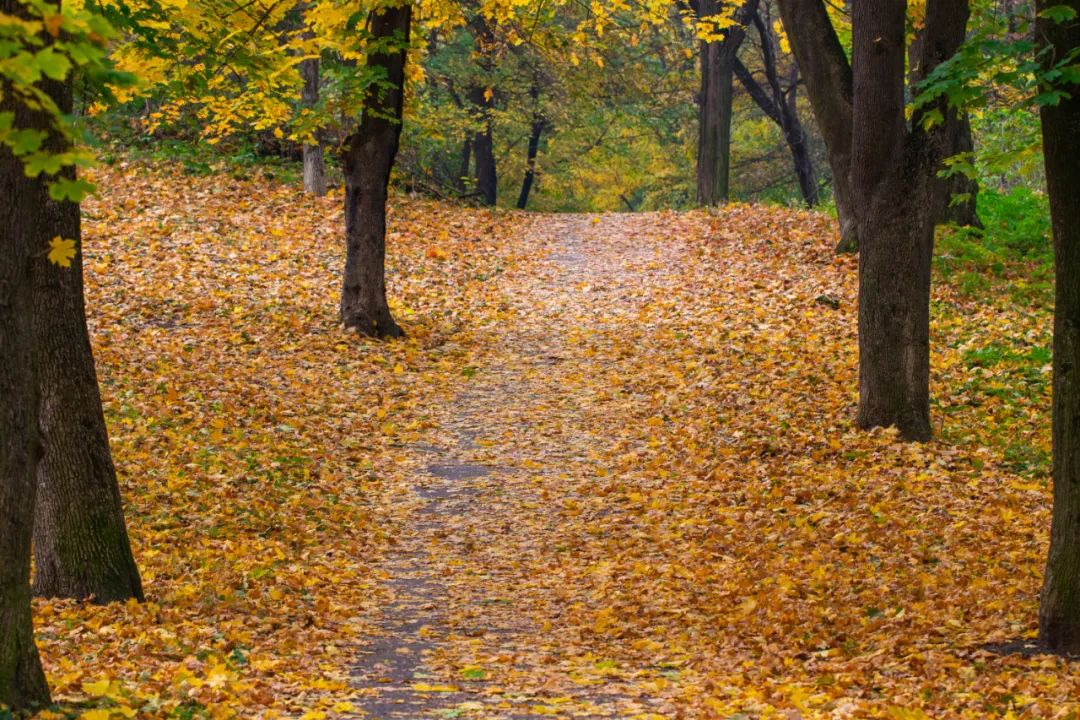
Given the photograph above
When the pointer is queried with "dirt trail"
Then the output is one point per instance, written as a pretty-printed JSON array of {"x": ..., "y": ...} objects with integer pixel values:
[{"x": 469, "y": 617}]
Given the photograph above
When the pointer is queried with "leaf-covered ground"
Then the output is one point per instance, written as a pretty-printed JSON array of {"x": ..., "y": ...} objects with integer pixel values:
[{"x": 611, "y": 473}]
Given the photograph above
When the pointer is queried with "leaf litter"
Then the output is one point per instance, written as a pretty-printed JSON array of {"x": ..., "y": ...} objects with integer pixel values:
[{"x": 669, "y": 514}]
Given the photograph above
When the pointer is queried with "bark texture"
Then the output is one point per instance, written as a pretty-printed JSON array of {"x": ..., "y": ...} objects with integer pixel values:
[
  {"x": 1059, "y": 609},
  {"x": 368, "y": 159},
  {"x": 714, "y": 102},
  {"x": 898, "y": 200},
  {"x": 830, "y": 86},
  {"x": 22, "y": 682},
  {"x": 314, "y": 166},
  {"x": 81, "y": 547}
]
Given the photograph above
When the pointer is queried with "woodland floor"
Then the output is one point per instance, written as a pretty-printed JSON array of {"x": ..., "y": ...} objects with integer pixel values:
[{"x": 610, "y": 474}]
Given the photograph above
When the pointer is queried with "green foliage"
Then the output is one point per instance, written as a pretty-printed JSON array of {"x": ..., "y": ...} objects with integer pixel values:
[
  {"x": 43, "y": 45},
  {"x": 1014, "y": 247}
]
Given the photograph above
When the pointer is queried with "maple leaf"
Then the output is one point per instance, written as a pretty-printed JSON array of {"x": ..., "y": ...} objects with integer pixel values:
[{"x": 61, "y": 251}]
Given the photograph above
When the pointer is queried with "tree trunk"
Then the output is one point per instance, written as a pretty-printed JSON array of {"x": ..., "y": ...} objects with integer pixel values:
[
  {"x": 81, "y": 547},
  {"x": 963, "y": 191},
  {"x": 827, "y": 73},
  {"x": 314, "y": 167},
  {"x": 1059, "y": 609},
  {"x": 483, "y": 146},
  {"x": 898, "y": 199},
  {"x": 369, "y": 157},
  {"x": 463, "y": 167},
  {"x": 530, "y": 173},
  {"x": 22, "y": 682},
  {"x": 782, "y": 108},
  {"x": 714, "y": 103}
]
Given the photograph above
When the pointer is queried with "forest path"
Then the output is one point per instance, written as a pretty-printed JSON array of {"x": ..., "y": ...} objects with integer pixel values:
[{"x": 475, "y": 627}]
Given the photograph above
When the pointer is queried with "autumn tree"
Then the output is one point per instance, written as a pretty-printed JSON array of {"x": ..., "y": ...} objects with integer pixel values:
[
  {"x": 368, "y": 159},
  {"x": 1058, "y": 28},
  {"x": 723, "y": 30}
]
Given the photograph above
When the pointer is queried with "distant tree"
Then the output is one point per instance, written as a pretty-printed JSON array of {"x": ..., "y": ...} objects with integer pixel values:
[
  {"x": 482, "y": 98},
  {"x": 780, "y": 104},
  {"x": 1058, "y": 29},
  {"x": 539, "y": 124},
  {"x": 719, "y": 51},
  {"x": 826, "y": 71},
  {"x": 314, "y": 164}
]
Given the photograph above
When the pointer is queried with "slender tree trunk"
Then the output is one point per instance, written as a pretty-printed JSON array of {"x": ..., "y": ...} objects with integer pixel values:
[
  {"x": 369, "y": 157},
  {"x": 898, "y": 199},
  {"x": 81, "y": 547},
  {"x": 314, "y": 167},
  {"x": 800, "y": 158},
  {"x": 22, "y": 235},
  {"x": 781, "y": 107},
  {"x": 714, "y": 103},
  {"x": 827, "y": 73},
  {"x": 530, "y": 173},
  {"x": 1059, "y": 609},
  {"x": 483, "y": 145}
]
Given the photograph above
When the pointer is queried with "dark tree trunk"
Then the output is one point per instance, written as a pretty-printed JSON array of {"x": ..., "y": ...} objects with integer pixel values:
[
  {"x": 314, "y": 167},
  {"x": 827, "y": 73},
  {"x": 483, "y": 145},
  {"x": 782, "y": 108},
  {"x": 22, "y": 235},
  {"x": 463, "y": 168},
  {"x": 714, "y": 103},
  {"x": 963, "y": 190},
  {"x": 368, "y": 159},
  {"x": 81, "y": 547},
  {"x": 530, "y": 172},
  {"x": 1059, "y": 609},
  {"x": 898, "y": 199},
  {"x": 482, "y": 98}
]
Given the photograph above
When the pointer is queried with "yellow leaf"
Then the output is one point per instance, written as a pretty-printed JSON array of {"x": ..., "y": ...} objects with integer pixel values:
[
  {"x": 424, "y": 687},
  {"x": 61, "y": 251},
  {"x": 99, "y": 688},
  {"x": 604, "y": 620},
  {"x": 96, "y": 715}
]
